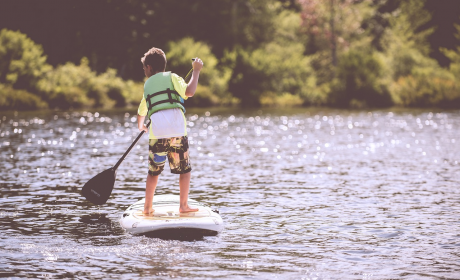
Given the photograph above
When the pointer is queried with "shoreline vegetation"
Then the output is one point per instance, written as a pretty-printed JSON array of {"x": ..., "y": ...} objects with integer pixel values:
[{"x": 362, "y": 56}]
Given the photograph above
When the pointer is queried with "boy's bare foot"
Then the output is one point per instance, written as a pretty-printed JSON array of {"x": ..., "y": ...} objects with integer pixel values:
[
  {"x": 148, "y": 212},
  {"x": 187, "y": 209}
]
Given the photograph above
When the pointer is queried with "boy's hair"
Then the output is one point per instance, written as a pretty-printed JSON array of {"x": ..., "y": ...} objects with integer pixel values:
[{"x": 156, "y": 58}]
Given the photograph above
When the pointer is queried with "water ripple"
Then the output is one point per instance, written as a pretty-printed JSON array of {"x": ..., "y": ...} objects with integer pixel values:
[{"x": 305, "y": 194}]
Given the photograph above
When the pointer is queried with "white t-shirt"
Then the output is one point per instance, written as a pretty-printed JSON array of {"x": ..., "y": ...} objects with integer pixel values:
[{"x": 168, "y": 123}]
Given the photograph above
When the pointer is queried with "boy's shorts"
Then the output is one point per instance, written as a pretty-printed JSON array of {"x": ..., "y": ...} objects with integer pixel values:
[{"x": 175, "y": 149}]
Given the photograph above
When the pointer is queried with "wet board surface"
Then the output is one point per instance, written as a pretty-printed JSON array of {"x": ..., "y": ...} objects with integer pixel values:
[{"x": 166, "y": 215}]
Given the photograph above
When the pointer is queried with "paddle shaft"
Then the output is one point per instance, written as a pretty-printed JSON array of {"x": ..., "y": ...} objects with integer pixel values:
[{"x": 130, "y": 148}]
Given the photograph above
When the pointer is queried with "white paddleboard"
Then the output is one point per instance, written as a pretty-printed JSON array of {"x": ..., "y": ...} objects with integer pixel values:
[{"x": 167, "y": 216}]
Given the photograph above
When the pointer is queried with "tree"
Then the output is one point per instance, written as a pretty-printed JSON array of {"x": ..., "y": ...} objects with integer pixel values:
[
  {"x": 212, "y": 88},
  {"x": 333, "y": 27},
  {"x": 445, "y": 15},
  {"x": 276, "y": 69},
  {"x": 22, "y": 62},
  {"x": 454, "y": 56},
  {"x": 405, "y": 45},
  {"x": 415, "y": 78}
]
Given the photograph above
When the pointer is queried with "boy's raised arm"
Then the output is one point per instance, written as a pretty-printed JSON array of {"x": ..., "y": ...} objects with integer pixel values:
[{"x": 191, "y": 87}]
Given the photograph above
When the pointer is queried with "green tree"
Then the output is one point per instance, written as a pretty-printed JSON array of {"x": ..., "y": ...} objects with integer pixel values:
[
  {"x": 454, "y": 56},
  {"x": 405, "y": 46},
  {"x": 19, "y": 99},
  {"x": 77, "y": 86},
  {"x": 22, "y": 62},
  {"x": 212, "y": 88},
  {"x": 334, "y": 25},
  {"x": 66, "y": 86},
  {"x": 277, "y": 70},
  {"x": 414, "y": 78},
  {"x": 360, "y": 81}
]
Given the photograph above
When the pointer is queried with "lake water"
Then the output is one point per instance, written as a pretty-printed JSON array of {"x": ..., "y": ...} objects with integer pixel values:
[{"x": 304, "y": 194}]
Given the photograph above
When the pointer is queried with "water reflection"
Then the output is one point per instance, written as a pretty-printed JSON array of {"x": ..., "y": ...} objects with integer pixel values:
[{"x": 304, "y": 193}]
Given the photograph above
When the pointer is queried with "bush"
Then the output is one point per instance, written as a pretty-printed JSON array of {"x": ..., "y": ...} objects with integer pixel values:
[
  {"x": 246, "y": 82},
  {"x": 436, "y": 87},
  {"x": 360, "y": 81},
  {"x": 203, "y": 98},
  {"x": 22, "y": 62},
  {"x": 14, "y": 99},
  {"x": 111, "y": 89},
  {"x": 134, "y": 91},
  {"x": 418, "y": 80},
  {"x": 23, "y": 66},
  {"x": 213, "y": 80},
  {"x": 454, "y": 56},
  {"x": 76, "y": 86},
  {"x": 67, "y": 86},
  {"x": 277, "y": 71},
  {"x": 271, "y": 99}
]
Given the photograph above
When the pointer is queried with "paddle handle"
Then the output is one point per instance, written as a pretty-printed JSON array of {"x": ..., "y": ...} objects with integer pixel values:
[
  {"x": 186, "y": 76},
  {"x": 130, "y": 148}
]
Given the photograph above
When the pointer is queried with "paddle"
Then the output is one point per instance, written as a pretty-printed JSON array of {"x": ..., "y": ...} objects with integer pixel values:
[{"x": 98, "y": 189}]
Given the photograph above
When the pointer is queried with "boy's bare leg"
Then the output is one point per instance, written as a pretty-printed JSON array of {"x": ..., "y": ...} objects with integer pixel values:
[
  {"x": 150, "y": 187},
  {"x": 184, "y": 185}
]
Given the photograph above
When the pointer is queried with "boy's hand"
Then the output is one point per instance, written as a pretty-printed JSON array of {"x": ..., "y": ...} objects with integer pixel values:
[
  {"x": 197, "y": 64},
  {"x": 141, "y": 125},
  {"x": 193, "y": 83},
  {"x": 144, "y": 128}
]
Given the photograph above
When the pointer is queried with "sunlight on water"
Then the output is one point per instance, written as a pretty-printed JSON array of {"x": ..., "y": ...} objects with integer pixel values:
[{"x": 304, "y": 194}]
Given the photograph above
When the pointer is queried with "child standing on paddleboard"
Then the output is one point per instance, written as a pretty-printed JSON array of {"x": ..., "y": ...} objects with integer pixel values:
[{"x": 163, "y": 104}]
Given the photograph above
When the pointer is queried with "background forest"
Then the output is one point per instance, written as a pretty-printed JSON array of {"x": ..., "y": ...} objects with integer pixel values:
[{"x": 340, "y": 53}]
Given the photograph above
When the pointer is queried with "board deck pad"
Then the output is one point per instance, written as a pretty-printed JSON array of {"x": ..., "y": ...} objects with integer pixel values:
[
  {"x": 170, "y": 212},
  {"x": 166, "y": 216}
]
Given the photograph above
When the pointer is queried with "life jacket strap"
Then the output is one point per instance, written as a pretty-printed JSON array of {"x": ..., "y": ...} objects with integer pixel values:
[{"x": 169, "y": 100}]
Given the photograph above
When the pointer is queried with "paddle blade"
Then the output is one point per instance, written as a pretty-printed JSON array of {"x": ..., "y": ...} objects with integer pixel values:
[{"x": 98, "y": 189}]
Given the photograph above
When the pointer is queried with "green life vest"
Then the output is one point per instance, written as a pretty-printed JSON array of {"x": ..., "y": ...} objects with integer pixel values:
[{"x": 159, "y": 94}]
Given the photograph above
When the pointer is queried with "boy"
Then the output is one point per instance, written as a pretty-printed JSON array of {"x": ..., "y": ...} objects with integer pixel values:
[{"x": 164, "y": 94}]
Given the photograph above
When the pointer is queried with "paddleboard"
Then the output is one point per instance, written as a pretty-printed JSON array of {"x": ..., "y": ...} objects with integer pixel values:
[{"x": 167, "y": 217}]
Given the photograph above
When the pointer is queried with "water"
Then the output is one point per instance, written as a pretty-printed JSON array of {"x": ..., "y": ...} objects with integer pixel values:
[{"x": 304, "y": 194}]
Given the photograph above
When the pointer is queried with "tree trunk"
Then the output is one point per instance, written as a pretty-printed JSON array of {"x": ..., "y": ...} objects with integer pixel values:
[{"x": 333, "y": 43}]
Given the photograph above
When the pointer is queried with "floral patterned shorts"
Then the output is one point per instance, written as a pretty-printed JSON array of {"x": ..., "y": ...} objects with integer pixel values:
[{"x": 175, "y": 149}]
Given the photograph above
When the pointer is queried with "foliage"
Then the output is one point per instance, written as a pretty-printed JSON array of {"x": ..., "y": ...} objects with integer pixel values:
[
  {"x": 270, "y": 99},
  {"x": 203, "y": 97},
  {"x": 334, "y": 31},
  {"x": 65, "y": 87},
  {"x": 76, "y": 86},
  {"x": 407, "y": 25},
  {"x": 213, "y": 79},
  {"x": 333, "y": 24},
  {"x": 22, "y": 62},
  {"x": 115, "y": 34},
  {"x": 454, "y": 56},
  {"x": 415, "y": 79},
  {"x": 406, "y": 48},
  {"x": 360, "y": 81},
  {"x": 346, "y": 53},
  {"x": 435, "y": 87},
  {"x": 19, "y": 99},
  {"x": 279, "y": 67}
]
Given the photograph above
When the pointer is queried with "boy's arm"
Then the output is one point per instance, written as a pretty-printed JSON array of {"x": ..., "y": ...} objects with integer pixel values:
[
  {"x": 141, "y": 113},
  {"x": 141, "y": 125},
  {"x": 191, "y": 87}
]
